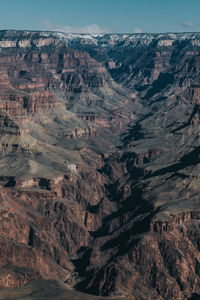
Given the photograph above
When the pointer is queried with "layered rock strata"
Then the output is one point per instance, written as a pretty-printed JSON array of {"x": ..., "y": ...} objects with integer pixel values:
[{"x": 99, "y": 162}]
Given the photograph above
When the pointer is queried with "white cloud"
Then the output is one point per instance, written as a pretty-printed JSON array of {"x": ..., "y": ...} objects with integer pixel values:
[
  {"x": 137, "y": 30},
  {"x": 188, "y": 24},
  {"x": 90, "y": 29}
]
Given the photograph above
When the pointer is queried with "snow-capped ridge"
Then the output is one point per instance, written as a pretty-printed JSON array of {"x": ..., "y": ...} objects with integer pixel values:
[{"x": 12, "y": 38}]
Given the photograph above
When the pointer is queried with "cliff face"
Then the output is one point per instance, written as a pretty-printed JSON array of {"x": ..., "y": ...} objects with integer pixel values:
[{"x": 99, "y": 162}]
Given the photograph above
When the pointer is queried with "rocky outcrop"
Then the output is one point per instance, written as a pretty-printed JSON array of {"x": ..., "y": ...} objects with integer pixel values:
[{"x": 178, "y": 219}]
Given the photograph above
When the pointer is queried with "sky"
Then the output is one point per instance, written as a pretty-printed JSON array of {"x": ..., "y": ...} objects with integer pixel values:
[{"x": 101, "y": 16}]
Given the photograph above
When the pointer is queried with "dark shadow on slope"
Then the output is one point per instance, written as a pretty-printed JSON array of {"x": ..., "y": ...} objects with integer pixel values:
[
  {"x": 135, "y": 132},
  {"x": 44, "y": 183},
  {"x": 159, "y": 99},
  {"x": 196, "y": 109},
  {"x": 123, "y": 240},
  {"x": 195, "y": 297},
  {"x": 190, "y": 159},
  {"x": 82, "y": 263},
  {"x": 31, "y": 237},
  {"x": 93, "y": 209},
  {"x": 11, "y": 182},
  {"x": 161, "y": 83},
  {"x": 131, "y": 208},
  {"x": 178, "y": 52}
]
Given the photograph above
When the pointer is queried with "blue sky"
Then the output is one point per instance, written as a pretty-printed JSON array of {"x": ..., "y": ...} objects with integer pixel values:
[{"x": 97, "y": 16}]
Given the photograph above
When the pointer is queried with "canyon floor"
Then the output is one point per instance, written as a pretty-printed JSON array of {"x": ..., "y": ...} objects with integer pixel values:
[{"x": 99, "y": 165}]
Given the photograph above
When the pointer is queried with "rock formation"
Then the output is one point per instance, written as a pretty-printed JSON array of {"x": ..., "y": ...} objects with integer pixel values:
[{"x": 99, "y": 162}]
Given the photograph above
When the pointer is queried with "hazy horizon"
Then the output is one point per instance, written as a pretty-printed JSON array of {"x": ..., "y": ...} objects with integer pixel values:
[{"x": 113, "y": 16}]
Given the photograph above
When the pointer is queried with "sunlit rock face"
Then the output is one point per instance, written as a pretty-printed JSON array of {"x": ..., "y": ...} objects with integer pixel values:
[{"x": 99, "y": 162}]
